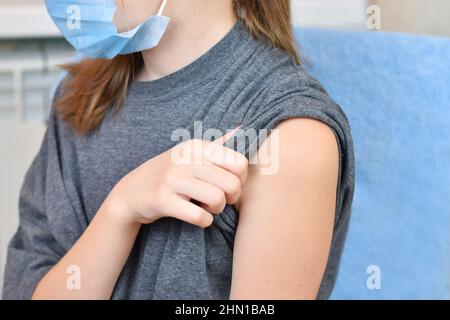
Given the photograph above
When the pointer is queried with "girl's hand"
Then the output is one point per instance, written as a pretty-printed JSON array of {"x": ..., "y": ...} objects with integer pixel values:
[{"x": 190, "y": 182}]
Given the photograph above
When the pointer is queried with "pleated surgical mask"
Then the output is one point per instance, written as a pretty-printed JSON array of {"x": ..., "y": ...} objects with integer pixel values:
[{"x": 88, "y": 25}]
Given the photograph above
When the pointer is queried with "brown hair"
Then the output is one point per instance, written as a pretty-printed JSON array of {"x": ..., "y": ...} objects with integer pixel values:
[{"x": 95, "y": 86}]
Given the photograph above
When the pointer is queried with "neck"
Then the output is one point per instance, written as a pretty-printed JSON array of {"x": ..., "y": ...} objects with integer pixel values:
[{"x": 195, "y": 27}]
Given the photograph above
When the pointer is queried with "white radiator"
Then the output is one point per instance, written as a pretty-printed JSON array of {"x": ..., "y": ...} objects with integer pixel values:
[{"x": 27, "y": 72}]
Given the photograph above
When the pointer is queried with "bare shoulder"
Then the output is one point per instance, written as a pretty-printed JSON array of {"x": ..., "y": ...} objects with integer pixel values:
[
  {"x": 306, "y": 142},
  {"x": 301, "y": 151}
]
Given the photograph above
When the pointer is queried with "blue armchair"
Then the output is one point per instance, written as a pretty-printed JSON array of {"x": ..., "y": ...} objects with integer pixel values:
[{"x": 395, "y": 90}]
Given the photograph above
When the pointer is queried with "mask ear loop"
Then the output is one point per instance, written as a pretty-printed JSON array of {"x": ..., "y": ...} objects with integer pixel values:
[
  {"x": 163, "y": 6},
  {"x": 160, "y": 12}
]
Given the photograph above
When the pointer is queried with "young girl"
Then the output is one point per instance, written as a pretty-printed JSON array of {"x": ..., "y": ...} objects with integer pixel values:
[{"x": 107, "y": 213}]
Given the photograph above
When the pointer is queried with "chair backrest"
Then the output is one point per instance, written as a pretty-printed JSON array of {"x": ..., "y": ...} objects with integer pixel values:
[{"x": 395, "y": 90}]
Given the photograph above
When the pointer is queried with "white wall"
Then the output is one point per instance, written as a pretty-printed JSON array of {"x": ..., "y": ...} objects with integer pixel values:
[
  {"x": 348, "y": 14},
  {"x": 25, "y": 18},
  {"x": 416, "y": 16}
]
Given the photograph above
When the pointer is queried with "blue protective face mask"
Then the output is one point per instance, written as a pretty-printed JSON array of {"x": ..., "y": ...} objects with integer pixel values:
[{"x": 88, "y": 26}]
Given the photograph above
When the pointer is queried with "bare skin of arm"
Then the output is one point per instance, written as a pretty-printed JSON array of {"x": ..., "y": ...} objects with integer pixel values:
[{"x": 286, "y": 220}]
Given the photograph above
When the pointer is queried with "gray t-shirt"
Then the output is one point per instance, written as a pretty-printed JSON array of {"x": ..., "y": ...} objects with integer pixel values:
[{"x": 240, "y": 81}]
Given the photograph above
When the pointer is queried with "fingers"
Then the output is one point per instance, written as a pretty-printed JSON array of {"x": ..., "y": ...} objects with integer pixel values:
[
  {"x": 197, "y": 152},
  {"x": 227, "y": 159},
  {"x": 229, "y": 183},
  {"x": 185, "y": 210},
  {"x": 203, "y": 192},
  {"x": 206, "y": 177}
]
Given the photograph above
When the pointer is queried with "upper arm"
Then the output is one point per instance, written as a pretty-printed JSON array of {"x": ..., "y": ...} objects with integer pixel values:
[{"x": 286, "y": 218}]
